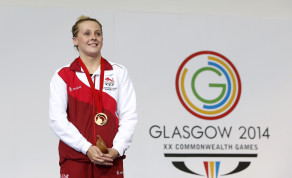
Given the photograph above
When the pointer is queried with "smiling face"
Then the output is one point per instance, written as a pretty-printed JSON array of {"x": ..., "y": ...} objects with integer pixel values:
[{"x": 89, "y": 39}]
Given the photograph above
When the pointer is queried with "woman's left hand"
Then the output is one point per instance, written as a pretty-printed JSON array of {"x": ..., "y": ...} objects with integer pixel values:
[{"x": 113, "y": 153}]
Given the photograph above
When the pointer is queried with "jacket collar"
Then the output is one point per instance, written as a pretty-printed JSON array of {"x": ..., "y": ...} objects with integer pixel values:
[{"x": 74, "y": 66}]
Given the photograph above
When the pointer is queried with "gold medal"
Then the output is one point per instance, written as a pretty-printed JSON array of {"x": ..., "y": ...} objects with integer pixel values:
[{"x": 100, "y": 119}]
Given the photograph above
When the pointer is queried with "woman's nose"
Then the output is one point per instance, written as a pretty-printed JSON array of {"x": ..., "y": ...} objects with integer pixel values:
[{"x": 94, "y": 37}]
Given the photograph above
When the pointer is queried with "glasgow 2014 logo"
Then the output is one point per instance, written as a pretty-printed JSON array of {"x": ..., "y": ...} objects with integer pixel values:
[{"x": 208, "y": 85}]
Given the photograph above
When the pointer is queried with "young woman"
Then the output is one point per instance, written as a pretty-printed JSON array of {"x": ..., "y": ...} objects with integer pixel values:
[{"x": 91, "y": 97}]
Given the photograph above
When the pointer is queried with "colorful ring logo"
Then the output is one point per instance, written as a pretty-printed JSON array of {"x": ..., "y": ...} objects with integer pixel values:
[{"x": 208, "y": 85}]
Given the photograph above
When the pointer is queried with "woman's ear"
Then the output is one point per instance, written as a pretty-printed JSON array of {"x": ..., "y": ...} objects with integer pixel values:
[{"x": 75, "y": 42}]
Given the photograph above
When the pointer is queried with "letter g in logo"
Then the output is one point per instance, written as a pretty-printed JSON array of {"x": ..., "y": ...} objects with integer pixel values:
[{"x": 199, "y": 94}]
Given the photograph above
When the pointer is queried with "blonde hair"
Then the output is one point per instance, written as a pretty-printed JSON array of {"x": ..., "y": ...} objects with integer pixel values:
[{"x": 81, "y": 19}]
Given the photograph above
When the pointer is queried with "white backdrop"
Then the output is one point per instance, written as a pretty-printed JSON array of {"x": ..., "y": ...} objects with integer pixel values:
[{"x": 36, "y": 41}]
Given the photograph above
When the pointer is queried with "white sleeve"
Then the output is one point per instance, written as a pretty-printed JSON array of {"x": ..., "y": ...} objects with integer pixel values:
[
  {"x": 59, "y": 123},
  {"x": 127, "y": 113}
]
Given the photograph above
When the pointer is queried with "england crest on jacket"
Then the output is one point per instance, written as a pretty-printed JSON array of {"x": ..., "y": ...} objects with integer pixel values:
[
  {"x": 109, "y": 81},
  {"x": 109, "y": 84}
]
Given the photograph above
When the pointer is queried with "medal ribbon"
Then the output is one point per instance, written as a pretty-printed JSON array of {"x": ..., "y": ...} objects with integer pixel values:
[{"x": 97, "y": 98}]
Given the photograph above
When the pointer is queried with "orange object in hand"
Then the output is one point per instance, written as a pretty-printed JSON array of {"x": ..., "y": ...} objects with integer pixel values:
[{"x": 101, "y": 145}]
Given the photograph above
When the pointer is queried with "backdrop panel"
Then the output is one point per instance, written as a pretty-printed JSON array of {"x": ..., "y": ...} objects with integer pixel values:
[{"x": 154, "y": 46}]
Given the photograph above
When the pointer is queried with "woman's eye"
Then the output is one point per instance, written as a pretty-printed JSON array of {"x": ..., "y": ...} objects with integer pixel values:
[
  {"x": 86, "y": 34},
  {"x": 98, "y": 34}
]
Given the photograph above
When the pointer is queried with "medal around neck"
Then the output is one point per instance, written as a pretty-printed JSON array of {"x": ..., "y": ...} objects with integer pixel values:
[{"x": 101, "y": 119}]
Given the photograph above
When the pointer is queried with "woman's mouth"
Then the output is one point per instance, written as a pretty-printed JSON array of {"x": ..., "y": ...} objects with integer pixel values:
[{"x": 93, "y": 44}]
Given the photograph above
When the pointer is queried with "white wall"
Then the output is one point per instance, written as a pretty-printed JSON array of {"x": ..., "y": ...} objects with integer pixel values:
[{"x": 258, "y": 8}]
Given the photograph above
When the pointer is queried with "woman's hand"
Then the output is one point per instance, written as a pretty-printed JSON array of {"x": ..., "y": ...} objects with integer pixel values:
[
  {"x": 97, "y": 157},
  {"x": 113, "y": 153}
]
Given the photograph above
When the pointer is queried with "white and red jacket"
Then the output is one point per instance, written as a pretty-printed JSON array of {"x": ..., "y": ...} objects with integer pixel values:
[{"x": 72, "y": 108}]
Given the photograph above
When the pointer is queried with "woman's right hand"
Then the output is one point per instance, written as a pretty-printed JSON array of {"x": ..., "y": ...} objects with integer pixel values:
[{"x": 97, "y": 157}]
